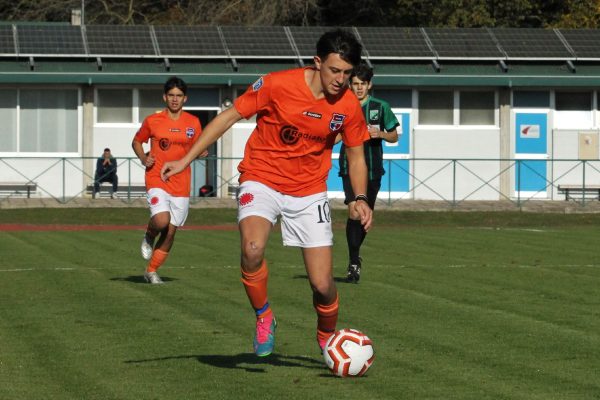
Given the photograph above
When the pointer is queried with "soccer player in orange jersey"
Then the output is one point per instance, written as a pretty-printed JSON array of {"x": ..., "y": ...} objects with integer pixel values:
[
  {"x": 171, "y": 134},
  {"x": 284, "y": 172}
]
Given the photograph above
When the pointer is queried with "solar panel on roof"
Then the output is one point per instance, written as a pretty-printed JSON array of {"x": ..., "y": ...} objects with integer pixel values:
[
  {"x": 50, "y": 40},
  {"x": 7, "y": 41},
  {"x": 119, "y": 40},
  {"x": 189, "y": 41},
  {"x": 393, "y": 42},
  {"x": 584, "y": 42},
  {"x": 306, "y": 37},
  {"x": 463, "y": 43},
  {"x": 257, "y": 41},
  {"x": 531, "y": 43}
]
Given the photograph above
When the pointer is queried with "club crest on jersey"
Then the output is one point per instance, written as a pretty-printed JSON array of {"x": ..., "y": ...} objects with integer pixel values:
[
  {"x": 374, "y": 115},
  {"x": 189, "y": 132},
  {"x": 258, "y": 84},
  {"x": 337, "y": 120}
]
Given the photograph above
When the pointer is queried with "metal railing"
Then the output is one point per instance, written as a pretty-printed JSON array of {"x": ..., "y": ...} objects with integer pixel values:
[{"x": 451, "y": 180}]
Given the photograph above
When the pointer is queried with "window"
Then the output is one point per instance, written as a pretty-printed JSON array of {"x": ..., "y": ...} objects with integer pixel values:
[
  {"x": 150, "y": 101},
  {"x": 573, "y": 110},
  {"x": 396, "y": 98},
  {"x": 477, "y": 107},
  {"x": 48, "y": 120},
  {"x": 115, "y": 105},
  {"x": 573, "y": 101},
  {"x": 203, "y": 98},
  {"x": 436, "y": 107},
  {"x": 531, "y": 99},
  {"x": 118, "y": 105},
  {"x": 8, "y": 116},
  {"x": 39, "y": 120}
]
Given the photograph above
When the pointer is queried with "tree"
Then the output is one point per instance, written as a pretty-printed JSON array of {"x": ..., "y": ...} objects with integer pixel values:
[
  {"x": 427, "y": 13},
  {"x": 244, "y": 12},
  {"x": 578, "y": 14},
  {"x": 188, "y": 12}
]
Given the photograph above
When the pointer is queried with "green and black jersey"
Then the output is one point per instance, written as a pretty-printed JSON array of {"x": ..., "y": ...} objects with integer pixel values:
[{"x": 378, "y": 113}]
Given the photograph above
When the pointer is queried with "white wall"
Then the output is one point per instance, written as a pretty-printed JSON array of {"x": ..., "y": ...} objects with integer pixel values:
[
  {"x": 571, "y": 171},
  {"x": 54, "y": 177},
  {"x": 434, "y": 180}
]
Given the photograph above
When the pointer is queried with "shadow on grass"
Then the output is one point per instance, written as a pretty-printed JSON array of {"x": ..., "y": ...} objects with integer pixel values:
[
  {"x": 246, "y": 361},
  {"x": 335, "y": 278},
  {"x": 139, "y": 279}
]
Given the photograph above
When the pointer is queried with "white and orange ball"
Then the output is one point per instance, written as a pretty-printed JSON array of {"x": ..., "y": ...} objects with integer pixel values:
[{"x": 349, "y": 352}]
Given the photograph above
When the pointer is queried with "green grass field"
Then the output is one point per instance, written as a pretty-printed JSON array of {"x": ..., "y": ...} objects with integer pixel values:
[{"x": 459, "y": 306}]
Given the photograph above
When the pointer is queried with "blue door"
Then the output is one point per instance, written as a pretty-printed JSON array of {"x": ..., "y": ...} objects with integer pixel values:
[
  {"x": 531, "y": 145},
  {"x": 397, "y": 167}
]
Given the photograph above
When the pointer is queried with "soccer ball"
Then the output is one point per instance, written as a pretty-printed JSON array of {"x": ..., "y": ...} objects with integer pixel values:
[{"x": 348, "y": 353}]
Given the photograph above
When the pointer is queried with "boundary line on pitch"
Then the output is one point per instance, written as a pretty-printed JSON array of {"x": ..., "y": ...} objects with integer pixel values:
[{"x": 450, "y": 266}]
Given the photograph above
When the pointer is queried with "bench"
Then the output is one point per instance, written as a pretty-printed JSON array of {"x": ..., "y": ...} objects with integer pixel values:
[
  {"x": 18, "y": 189},
  {"x": 579, "y": 191},
  {"x": 123, "y": 191}
]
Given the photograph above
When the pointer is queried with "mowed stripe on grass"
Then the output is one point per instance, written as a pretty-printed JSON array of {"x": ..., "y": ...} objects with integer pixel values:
[{"x": 453, "y": 313}]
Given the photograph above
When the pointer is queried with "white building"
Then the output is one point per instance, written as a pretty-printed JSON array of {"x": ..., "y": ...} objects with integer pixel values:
[{"x": 486, "y": 114}]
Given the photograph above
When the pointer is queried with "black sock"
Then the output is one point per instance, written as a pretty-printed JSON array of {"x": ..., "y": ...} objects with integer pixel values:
[{"x": 355, "y": 234}]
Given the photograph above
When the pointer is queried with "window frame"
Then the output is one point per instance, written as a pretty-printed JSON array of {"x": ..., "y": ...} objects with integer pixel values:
[
  {"x": 456, "y": 110},
  {"x": 560, "y": 116},
  {"x": 44, "y": 154}
]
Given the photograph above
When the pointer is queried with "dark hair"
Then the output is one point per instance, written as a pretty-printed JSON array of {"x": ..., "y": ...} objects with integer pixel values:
[
  {"x": 341, "y": 42},
  {"x": 107, "y": 149},
  {"x": 175, "y": 82},
  {"x": 363, "y": 72}
]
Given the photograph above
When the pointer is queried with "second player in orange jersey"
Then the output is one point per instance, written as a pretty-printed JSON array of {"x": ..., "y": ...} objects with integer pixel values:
[{"x": 171, "y": 133}]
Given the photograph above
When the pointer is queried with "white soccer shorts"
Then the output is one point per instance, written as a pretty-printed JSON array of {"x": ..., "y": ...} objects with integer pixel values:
[
  {"x": 161, "y": 201},
  {"x": 305, "y": 221}
]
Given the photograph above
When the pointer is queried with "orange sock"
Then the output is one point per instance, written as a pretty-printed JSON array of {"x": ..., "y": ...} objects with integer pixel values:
[
  {"x": 158, "y": 259},
  {"x": 255, "y": 284},
  {"x": 326, "y": 319}
]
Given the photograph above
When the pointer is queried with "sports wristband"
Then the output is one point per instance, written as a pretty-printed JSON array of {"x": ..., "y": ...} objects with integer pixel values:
[{"x": 362, "y": 197}]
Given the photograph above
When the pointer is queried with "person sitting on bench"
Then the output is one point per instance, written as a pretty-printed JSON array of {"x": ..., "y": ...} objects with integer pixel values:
[{"x": 106, "y": 171}]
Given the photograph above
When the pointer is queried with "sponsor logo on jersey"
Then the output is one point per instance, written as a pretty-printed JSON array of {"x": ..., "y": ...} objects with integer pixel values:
[
  {"x": 245, "y": 199},
  {"x": 291, "y": 135},
  {"x": 164, "y": 144},
  {"x": 258, "y": 84},
  {"x": 189, "y": 132},
  {"x": 312, "y": 114},
  {"x": 337, "y": 120},
  {"x": 174, "y": 130}
]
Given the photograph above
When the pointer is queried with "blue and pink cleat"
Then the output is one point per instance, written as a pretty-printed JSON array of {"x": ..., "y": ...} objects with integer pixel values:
[{"x": 264, "y": 341}]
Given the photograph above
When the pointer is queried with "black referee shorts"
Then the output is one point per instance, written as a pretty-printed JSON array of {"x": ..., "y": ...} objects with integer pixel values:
[{"x": 372, "y": 190}]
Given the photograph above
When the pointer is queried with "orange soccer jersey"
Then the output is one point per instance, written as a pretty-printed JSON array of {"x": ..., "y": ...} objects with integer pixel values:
[
  {"x": 169, "y": 140},
  {"x": 290, "y": 148}
]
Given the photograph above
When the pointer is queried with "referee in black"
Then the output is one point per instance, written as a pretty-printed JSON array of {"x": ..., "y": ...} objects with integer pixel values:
[{"x": 382, "y": 125}]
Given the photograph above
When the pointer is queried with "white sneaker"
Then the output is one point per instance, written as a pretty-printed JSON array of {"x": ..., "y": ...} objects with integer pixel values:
[
  {"x": 146, "y": 249},
  {"x": 153, "y": 278}
]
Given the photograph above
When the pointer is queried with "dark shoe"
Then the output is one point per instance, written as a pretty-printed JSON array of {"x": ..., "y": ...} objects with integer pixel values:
[{"x": 353, "y": 273}]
